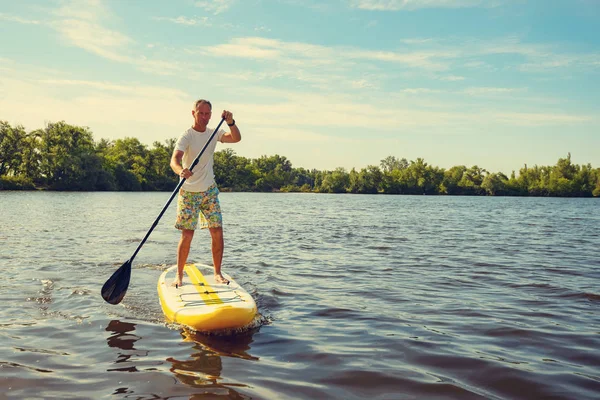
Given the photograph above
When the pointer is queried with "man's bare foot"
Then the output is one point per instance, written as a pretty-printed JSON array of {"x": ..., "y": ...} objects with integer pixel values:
[
  {"x": 221, "y": 279},
  {"x": 178, "y": 282}
]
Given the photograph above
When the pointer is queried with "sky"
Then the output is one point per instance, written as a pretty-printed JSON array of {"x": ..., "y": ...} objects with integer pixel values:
[{"x": 326, "y": 84}]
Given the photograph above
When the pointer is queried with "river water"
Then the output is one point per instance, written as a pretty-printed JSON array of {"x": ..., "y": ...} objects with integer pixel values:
[{"x": 379, "y": 297}]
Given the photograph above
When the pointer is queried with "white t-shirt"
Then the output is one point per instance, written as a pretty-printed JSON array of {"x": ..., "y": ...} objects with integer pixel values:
[{"x": 191, "y": 142}]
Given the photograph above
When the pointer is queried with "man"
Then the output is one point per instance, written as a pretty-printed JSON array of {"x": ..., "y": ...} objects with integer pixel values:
[{"x": 198, "y": 200}]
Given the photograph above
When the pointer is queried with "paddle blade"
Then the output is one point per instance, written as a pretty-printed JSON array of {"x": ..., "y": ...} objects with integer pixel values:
[{"x": 115, "y": 287}]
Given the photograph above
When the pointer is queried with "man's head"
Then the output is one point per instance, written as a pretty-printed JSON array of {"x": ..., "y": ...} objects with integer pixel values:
[
  {"x": 202, "y": 112},
  {"x": 202, "y": 101}
]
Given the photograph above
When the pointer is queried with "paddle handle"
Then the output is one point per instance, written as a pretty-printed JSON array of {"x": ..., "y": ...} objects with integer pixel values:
[{"x": 181, "y": 181}]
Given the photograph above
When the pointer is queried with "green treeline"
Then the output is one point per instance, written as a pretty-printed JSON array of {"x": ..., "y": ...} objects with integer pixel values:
[{"x": 66, "y": 157}]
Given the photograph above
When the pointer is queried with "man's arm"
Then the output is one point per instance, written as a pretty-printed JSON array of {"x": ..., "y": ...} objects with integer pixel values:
[
  {"x": 234, "y": 135},
  {"x": 177, "y": 167}
]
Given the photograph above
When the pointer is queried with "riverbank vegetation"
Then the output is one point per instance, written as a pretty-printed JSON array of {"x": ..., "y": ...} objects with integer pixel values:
[{"x": 66, "y": 157}]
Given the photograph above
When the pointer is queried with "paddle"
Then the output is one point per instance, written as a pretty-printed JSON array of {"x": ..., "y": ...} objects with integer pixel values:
[{"x": 115, "y": 287}]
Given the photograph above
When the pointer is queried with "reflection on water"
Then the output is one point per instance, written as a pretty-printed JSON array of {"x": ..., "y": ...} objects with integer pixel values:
[
  {"x": 124, "y": 340},
  {"x": 229, "y": 345},
  {"x": 202, "y": 368},
  {"x": 121, "y": 338}
]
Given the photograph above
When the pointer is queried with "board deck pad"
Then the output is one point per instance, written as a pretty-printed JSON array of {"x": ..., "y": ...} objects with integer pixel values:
[{"x": 203, "y": 304}]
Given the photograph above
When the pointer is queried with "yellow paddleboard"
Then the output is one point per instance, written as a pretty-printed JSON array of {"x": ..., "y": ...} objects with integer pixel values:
[{"x": 203, "y": 304}]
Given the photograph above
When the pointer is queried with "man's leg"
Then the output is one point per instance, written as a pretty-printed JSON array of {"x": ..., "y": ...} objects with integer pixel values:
[
  {"x": 216, "y": 235},
  {"x": 183, "y": 250}
]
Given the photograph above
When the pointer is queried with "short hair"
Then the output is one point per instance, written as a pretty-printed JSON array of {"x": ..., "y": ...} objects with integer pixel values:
[{"x": 202, "y": 101}]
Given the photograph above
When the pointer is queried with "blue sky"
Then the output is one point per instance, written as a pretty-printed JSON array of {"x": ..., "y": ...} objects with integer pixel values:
[{"x": 327, "y": 84}]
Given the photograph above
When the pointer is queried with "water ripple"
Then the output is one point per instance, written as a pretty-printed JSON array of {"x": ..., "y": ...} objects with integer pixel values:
[{"x": 382, "y": 297}]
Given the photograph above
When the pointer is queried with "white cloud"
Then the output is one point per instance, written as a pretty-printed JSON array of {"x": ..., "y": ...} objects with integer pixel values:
[
  {"x": 305, "y": 54},
  {"x": 452, "y": 78},
  {"x": 539, "y": 57},
  {"x": 132, "y": 89},
  {"x": 511, "y": 45},
  {"x": 427, "y": 60},
  {"x": 242, "y": 50},
  {"x": 482, "y": 55},
  {"x": 89, "y": 10},
  {"x": 420, "y": 91},
  {"x": 80, "y": 24},
  {"x": 215, "y": 6},
  {"x": 94, "y": 38},
  {"x": 20, "y": 20},
  {"x": 84, "y": 25},
  {"x": 416, "y": 41},
  {"x": 363, "y": 84},
  {"x": 315, "y": 110},
  {"x": 396, "y": 5},
  {"x": 477, "y": 65},
  {"x": 550, "y": 63},
  {"x": 182, "y": 20},
  {"x": 482, "y": 91},
  {"x": 347, "y": 69},
  {"x": 539, "y": 119}
]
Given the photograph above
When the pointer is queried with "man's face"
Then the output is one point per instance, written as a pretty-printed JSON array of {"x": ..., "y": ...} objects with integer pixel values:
[{"x": 202, "y": 114}]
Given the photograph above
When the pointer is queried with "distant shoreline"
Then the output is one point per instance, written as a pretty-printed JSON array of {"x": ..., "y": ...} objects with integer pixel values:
[
  {"x": 63, "y": 157},
  {"x": 226, "y": 190}
]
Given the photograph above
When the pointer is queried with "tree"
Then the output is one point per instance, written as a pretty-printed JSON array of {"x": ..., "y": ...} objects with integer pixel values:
[
  {"x": 367, "y": 181},
  {"x": 471, "y": 180},
  {"x": 391, "y": 163},
  {"x": 67, "y": 157},
  {"x": 159, "y": 175},
  {"x": 128, "y": 161},
  {"x": 532, "y": 181},
  {"x": 302, "y": 177},
  {"x": 274, "y": 172},
  {"x": 451, "y": 179},
  {"x": 335, "y": 181},
  {"x": 494, "y": 183},
  {"x": 393, "y": 182},
  {"x": 596, "y": 178},
  {"x": 561, "y": 178},
  {"x": 12, "y": 143},
  {"x": 234, "y": 172}
]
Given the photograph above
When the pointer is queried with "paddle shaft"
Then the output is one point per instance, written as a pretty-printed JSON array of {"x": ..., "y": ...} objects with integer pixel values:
[{"x": 181, "y": 181}]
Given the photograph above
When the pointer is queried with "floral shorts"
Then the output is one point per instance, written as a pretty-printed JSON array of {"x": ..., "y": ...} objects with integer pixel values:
[{"x": 203, "y": 205}]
